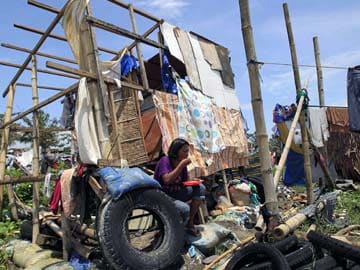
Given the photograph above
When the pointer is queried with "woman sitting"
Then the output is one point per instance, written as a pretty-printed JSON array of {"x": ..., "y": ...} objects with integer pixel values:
[{"x": 171, "y": 172}]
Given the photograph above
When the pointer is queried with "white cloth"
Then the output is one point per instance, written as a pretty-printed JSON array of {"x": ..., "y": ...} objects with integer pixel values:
[
  {"x": 46, "y": 190},
  {"x": 112, "y": 70},
  {"x": 167, "y": 31},
  {"x": 87, "y": 140},
  {"x": 73, "y": 16},
  {"x": 297, "y": 134},
  {"x": 212, "y": 85},
  {"x": 319, "y": 129}
]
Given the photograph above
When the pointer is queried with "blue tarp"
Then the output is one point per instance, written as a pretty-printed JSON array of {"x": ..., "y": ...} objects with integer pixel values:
[
  {"x": 294, "y": 173},
  {"x": 121, "y": 181}
]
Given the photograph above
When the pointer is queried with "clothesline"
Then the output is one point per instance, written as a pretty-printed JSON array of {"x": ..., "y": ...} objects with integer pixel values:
[
  {"x": 300, "y": 65},
  {"x": 332, "y": 106}
]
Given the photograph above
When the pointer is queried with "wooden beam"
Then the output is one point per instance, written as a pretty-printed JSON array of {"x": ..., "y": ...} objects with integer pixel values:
[
  {"x": 258, "y": 109},
  {"x": 70, "y": 89},
  {"x": 138, "y": 11},
  {"x": 24, "y": 179},
  {"x": 36, "y": 48},
  {"x": 304, "y": 135},
  {"x": 58, "y": 37},
  {"x": 147, "y": 33},
  {"x": 121, "y": 31},
  {"x": 319, "y": 71},
  {"x": 10, "y": 46},
  {"x": 39, "y": 70},
  {"x": 41, "y": 87},
  {"x": 26, "y": 129}
]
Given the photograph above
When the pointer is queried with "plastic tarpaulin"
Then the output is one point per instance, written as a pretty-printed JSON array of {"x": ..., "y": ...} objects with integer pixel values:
[{"x": 294, "y": 173}]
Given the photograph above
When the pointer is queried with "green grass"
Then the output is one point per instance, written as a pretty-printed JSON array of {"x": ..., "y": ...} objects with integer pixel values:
[{"x": 347, "y": 205}]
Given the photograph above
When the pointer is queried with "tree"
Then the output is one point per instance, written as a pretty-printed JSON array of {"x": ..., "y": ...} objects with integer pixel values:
[{"x": 46, "y": 139}]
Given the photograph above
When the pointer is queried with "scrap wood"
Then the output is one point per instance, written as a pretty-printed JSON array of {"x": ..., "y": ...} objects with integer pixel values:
[
  {"x": 348, "y": 229},
  {"x": 229, "y": 251}
]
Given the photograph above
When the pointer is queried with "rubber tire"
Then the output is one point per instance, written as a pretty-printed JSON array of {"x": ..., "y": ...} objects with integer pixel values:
[
  {"x": 303, "y": 255},
  {"x": 337, "y": 247},
  {"x": 246, "y": 255},
  {"x": 325, "y": 263},
  {"x": 112, "y": 234},
  {"x": 286, "y": 244}
]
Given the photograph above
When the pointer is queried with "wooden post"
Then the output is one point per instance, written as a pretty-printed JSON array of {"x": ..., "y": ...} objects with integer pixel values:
[
  {"x": 258, "y": 110},
  {"x": 319, "y": 71},
  {"x": 226, "y": 185},
  {"x": 5, "y": 141},
  {"x": 35, "y": 162},
  {"x": 304, "y": 135},
  {"x": 88, "y": 63},
  {"x": 12, "y": 202},
  {"x": 144, "y": 79}
]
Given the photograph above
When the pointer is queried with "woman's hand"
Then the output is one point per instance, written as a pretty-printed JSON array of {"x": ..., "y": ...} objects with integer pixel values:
[{"x": 185, "y": 162}]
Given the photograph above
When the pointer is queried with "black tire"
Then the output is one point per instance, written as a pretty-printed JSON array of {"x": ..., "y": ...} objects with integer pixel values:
[
  {"x": 26, "y": 229},
  {"x": 247, "y": 254},
  {"x": 114, "y": 234},
  {"x": 303, "y": 255},
  {"x": 337, "y": 247},
  {"x": 287, "y": 244},
  {"x": 325, "y": 263}
]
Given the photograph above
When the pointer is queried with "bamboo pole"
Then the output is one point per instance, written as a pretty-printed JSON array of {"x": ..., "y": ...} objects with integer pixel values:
[
  {"x": 36, "y": 48},
  {"x": 88, "y": 62},
  {"x": 144, "y": 78},
  {"x": 41, "y": 87},
  {"x": 321, "y": 93},
  {"x": 141, "y": 12},
  {"x": 304, "y": 135},
  {"x": 289, "y": 139},
  {"x": 39, "y": 70},
  {"x": 21, "y": 49},
  {"x": 24, "y": 179},
  {"x": 226, "y": 186},
  {"x": 58, "y": 37},
  {"x": 5, "y": 142},
  {"x": 258, "y": 110},
  {"x": 319, "y": 71},
  {"x": 68, "y": 90},
  {"x": 230, "y": 250},
  {"x": 35, "y": 163},
  {"x": 12, "y": 202}
]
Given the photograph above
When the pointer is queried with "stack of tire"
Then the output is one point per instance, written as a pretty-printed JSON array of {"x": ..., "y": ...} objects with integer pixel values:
[{"x": 321, "y": 252}]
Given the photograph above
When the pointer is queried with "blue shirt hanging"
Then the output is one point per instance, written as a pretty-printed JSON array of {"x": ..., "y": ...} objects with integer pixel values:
[
  {"x": 128, "y": 63},
  {"x": 167, "y": 79}
]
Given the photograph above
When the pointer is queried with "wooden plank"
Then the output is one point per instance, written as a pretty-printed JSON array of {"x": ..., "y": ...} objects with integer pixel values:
[
  {"x": 97, "y": 188},
  {"x": 43, "y": 6},
  {"x": 24, "y": 179},
  {"x": 35, "y": 49}
]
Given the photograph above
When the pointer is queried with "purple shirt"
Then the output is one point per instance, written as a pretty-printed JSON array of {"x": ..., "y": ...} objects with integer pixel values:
[{"x": 163, "y": 167}]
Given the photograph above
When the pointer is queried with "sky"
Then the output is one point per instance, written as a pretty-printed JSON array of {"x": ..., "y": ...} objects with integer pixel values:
[{"x": 336, "y": 24}]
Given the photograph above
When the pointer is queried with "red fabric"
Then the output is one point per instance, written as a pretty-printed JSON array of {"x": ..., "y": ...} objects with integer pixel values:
[{"x": 55, "y": 197}]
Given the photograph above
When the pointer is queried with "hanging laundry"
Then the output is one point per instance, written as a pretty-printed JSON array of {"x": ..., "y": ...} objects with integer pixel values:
[
  {"x": 55, "y": 197},
  {"x": 85, "y": 127},
  {"x": 189, "y": 58},
  {"x": 196, "y": 120},
  {"x": 167, "y": 75},
  {"x": 338, "y": 119},
  {"x": 294, "y": 172},
  {"x": 68, "y": 112},
  {"x": 128, "y": 64},
  {"x": 353, "y": 92},
  {"x": 318, "y": 126}
]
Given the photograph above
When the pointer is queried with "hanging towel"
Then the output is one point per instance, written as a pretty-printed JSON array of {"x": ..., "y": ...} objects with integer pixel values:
[
  {"x": 353, "y": 91},
  {"x": 318, "y": 126},
  {"x": 87, "y": 140}
]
